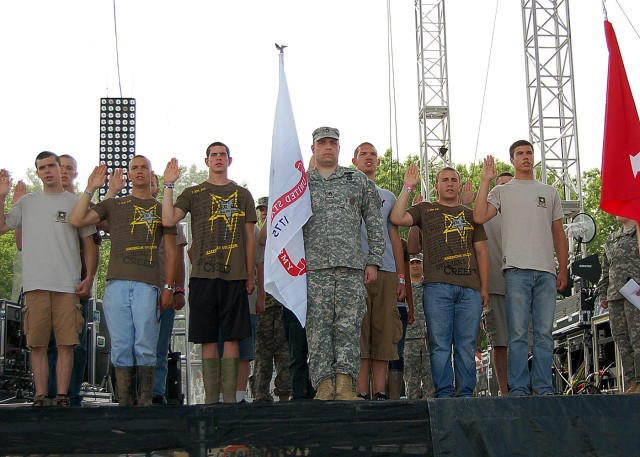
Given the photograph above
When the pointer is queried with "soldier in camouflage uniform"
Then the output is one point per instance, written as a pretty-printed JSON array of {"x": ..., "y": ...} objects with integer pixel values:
[
  {"x": 271, "y": 344},
  {"x": 417, "y": 366},
  {"x": 271, "y": 348},
  {"x": 620, "y": 262},
  {"x": 341, "y": 200}
]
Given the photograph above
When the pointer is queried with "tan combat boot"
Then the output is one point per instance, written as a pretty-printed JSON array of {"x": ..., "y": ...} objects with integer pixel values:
[
  {"x": 326, "y": 390},
  {"x": 344, "y": 388}
]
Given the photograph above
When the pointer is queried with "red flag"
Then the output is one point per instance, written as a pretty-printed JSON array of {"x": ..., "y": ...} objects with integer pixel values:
[{"x": 621, "y": 149}]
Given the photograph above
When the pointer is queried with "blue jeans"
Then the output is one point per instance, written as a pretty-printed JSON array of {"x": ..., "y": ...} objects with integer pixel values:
[
  {"x": 530, "y": 294},
  {"x": 404, "y": 318},
  {"x": 130, "y": 308},
  {"x": 167, "y": 317},
  {"x": 453, "y": 316}
]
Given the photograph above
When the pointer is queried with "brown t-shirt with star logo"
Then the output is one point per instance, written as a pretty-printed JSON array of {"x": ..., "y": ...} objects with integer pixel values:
[
  {"x": 448, "y": 234},
  {"x": 135, "y": 226},
  {"x": 218, "y": 218}
]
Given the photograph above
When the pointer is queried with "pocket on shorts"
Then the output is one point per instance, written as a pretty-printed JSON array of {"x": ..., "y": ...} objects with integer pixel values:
[
  {"x": 397, "y": 325},
  {"x": 25, "y": 320},
  {"x": 79, "y": 318}
]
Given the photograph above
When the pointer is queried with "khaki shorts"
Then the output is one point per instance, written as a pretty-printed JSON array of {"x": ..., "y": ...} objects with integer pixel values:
[
  {"x": 45, "y": 311},
  {"x": 381, "y": 327},
  {"x": 495, "y": 320}
]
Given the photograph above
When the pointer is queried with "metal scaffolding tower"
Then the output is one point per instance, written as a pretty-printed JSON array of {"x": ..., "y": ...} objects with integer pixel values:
[
  {"x": 551, "y": 96},
  {"x": 433, "y": 90}
]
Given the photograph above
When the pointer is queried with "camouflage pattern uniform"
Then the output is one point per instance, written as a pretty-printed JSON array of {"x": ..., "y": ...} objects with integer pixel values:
[
  {"x": 271, "y": 347},
  {"x": 620, "y": 262},
  {"x": 417, "y": 365},
  {"x": 335, "y": 263}
]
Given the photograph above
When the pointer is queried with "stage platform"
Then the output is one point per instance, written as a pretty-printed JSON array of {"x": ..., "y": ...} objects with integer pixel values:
[{"x": 584, "y": 425}]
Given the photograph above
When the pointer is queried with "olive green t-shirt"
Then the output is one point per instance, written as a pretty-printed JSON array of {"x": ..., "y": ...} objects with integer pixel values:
[
  {"x": 136, "y": 230},
  {"x": 448, "y": 234},
  {"x": 218, "y": 218}
]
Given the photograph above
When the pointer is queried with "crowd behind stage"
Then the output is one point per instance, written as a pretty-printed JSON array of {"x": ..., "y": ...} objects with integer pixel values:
[{"x": 384, "y": 314}]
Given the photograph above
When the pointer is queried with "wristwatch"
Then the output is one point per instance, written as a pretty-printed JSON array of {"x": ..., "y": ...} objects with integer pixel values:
[{"x": 167, "y": 287}]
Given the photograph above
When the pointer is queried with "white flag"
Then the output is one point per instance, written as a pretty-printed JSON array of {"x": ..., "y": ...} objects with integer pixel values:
[{"x": 285, "y": 273}]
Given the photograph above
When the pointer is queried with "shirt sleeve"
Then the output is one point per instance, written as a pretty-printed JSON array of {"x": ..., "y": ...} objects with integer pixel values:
[
  {"x": 373, "y": 221},
  {"x": 13, "y": 218}
]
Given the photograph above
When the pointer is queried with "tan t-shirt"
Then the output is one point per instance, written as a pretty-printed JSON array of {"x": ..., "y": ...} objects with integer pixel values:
[
  {"x": 136, "y": 231},
  {"x": 218, "y": 218},
  {"x": 448, "y": 234}
]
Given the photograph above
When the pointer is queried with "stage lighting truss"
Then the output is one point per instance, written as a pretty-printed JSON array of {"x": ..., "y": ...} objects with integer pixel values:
[{"x": 117, "y": 136}]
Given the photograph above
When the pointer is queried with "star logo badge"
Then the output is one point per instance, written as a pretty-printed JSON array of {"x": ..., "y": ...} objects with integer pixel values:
[
  {"x": 457, "y": 224},
  {"x": 226, "y": 209}
]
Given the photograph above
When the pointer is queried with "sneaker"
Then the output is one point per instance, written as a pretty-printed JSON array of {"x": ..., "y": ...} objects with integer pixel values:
[
  {"x": 380, "y": 396},
  {"x": 364, "y": 396},
  {"x": 61, "y": 401},
  {"x": 40, "y": 401}
]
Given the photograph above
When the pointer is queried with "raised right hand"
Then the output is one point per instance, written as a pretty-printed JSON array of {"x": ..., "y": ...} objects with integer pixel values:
[
  {"x": 172, "y": 172},
  {"x": 5, "y": 182},
  {"x": 19, "y": 191},
  {"x": 97, "y": 178},
  {"x": 489, "y": 169},
  {"x": 412, "y": 175}
]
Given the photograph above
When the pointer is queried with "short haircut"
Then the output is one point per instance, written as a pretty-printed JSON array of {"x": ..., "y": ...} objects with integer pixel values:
[
  {"x": 67, "y": 156},
  {"x": 218, "y": 143},
  {"x": 518, "y": 143},
  {"x": 366, "y": 143},
  {"x": 45, "y": 154},
  {"x": 447, "y": 169},
  {"x": 138, "y": 156},
  {"x": 157, "y": 179},
  {"x": 504, "y": 173}
]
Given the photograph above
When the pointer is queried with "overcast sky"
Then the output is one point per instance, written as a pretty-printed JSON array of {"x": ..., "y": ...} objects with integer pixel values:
[{"x": 204, "y": 71}]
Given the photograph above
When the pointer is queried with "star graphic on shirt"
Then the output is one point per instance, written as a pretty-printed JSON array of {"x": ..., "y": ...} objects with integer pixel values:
[
  {"x": 456, "y": 224},
  {"x": 146, "y": 216},
  {"x": 225, "y": 208}
]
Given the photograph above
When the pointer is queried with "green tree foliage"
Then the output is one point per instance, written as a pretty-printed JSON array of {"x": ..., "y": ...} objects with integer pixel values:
[
  {"x": 390, "y": 173},
  {"x": 605, "y": 223},
  {"x": 7, "y": 253}
]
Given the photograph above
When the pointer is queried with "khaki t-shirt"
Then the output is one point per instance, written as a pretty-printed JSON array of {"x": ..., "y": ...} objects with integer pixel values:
[
  {"x": 218, "y": 218},
  {"x": 136, "y": 230},
  {"x": 448, "y": 234}
]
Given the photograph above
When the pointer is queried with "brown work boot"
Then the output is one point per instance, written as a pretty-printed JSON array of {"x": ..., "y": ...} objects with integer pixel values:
[
  {"x": 211, "y": 380},
  {"x": 124, "y": 385},
  {"x": 344, "y": 388},
  {"x": 145, "y": 385},
  {"x": 395, "y": 381},
  {"x": 326, "y": 390}
]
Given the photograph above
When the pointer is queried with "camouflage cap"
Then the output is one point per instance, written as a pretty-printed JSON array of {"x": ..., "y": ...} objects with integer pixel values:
[
  {"x": 416, "y": 257},
  {"x": 262, "y": 201},
  {"x": 325, "y": 132}
]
